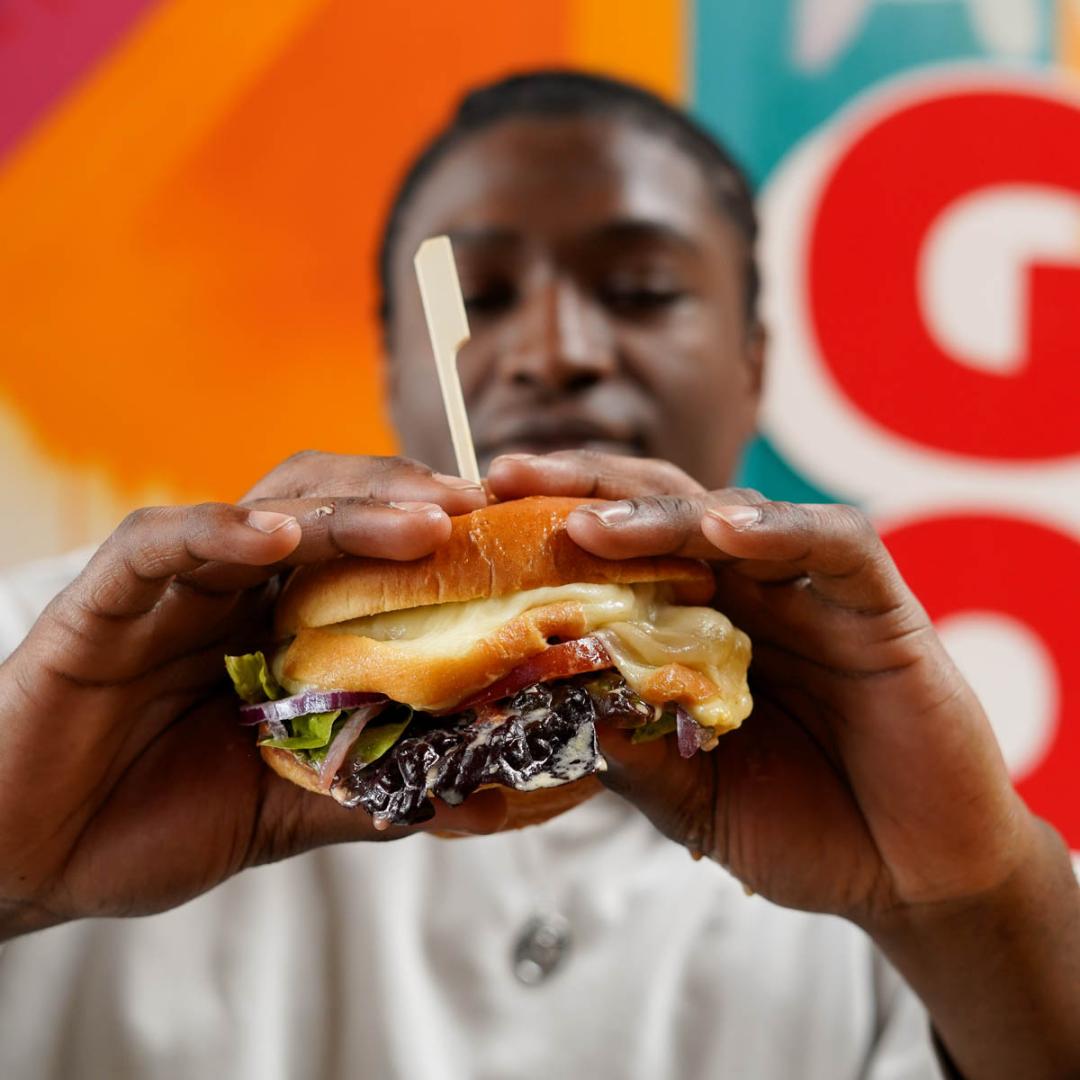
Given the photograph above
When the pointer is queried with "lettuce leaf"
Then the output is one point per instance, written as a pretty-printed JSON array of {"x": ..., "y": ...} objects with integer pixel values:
[
  {"x": 373, "y": 742},
  {"x": 370, "y": 744},
  {"x": 310, "y": 732},
  {"x": 251, "y": 676},
  {"x": 655, "y": 729}
]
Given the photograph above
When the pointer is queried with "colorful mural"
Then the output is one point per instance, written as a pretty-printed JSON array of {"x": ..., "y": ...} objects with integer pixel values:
[{"x": 190, "y": 195}]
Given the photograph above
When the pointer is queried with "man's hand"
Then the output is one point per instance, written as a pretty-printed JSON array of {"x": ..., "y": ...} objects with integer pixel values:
[
  {"x": 126, "y": 784},
  {"x": 867, "y": 776},
  {"x": 867, "y": 782}
]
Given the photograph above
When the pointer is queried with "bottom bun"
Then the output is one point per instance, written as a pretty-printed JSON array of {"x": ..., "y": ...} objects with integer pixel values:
[
  {"x": 523, "y": 808},
  {"x": 284, "y": 763}
]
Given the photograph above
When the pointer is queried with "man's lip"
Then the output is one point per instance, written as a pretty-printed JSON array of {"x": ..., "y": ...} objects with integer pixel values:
[
  {"x": 548, "y": 436},
  {"x": 622, "y": 447}
]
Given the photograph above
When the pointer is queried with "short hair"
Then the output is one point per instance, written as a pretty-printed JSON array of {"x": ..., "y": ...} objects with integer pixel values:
[{"x": 556, "y": 93}]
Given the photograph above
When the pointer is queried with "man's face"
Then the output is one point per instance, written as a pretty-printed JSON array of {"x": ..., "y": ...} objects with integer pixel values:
[{"x": 605, "y": 296}]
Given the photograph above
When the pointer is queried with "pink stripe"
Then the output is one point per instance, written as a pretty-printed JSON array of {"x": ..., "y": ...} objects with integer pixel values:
[{"x": 46, "y": 46}]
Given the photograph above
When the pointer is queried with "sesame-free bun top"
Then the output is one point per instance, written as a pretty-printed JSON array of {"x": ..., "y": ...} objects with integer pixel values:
[{"x": 502, "y": 549}]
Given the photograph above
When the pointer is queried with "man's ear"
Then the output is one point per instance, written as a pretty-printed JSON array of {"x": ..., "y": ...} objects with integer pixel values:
[
  {"x": 390, "y": 376},
  {"x": 754, "y": 358}
]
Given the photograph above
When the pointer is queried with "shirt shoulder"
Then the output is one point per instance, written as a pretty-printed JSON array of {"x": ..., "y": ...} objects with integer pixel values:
[{"x": 25, "y": 591}]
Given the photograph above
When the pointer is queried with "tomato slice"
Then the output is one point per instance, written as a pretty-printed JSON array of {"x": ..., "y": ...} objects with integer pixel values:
[{"x": 555, "y": 662}]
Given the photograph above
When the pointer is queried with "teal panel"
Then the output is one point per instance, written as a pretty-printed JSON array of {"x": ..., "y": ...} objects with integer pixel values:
[
  {"x": 765, "y": 470},
  {"x": 748, "y": 90}
]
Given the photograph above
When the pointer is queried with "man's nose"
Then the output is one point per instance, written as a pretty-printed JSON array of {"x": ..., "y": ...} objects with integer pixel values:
[{"x": 559, "y": 342}]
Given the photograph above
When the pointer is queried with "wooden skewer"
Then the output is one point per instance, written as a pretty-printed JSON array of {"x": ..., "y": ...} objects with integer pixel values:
[{"x": 448, "y": 328}]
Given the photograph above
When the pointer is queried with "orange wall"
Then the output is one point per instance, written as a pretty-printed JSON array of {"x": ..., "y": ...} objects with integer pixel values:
[{"x": 187, "y": 271}]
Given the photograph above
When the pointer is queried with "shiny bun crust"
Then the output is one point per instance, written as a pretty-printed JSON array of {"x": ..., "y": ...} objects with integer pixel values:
[
  {"x": 523, "y": 808},
  {"x": 501, "y": 549}
]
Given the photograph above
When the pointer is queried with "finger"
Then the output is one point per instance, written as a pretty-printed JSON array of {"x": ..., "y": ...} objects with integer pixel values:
[
  {"x": 311, "y": 474},
  {"x": 323, "y": 821},
  {"x": 206, "y": 593},
  {"x": 129, "y": 573},
  {"x": 834, "y": 546},
  {"x": 586, "y": 474},
  {"x": 401, "y": 530},
  {"x": 650, "y": 525},
  {"x": 674, "y": 793},
  {"x": 350, "y": 526},
  {"x": 482, "y": 813},
  {"x": 95, "y": 626}
]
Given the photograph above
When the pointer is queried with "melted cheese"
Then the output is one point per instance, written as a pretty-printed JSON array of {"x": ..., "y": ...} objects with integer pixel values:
[
  {"x": 697, "y": 638},
  {"x": 449, "y": 629},
  {"x": 643, "y": 632}
]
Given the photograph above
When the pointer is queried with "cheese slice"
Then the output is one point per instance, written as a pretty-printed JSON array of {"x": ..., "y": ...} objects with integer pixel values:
[
  {"x": 449, "y": 629},
  {"x": 644, "y": 633}
]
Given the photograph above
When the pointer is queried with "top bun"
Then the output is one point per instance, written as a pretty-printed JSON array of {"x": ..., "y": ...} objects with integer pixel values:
[{"x": 502, "y": 549}]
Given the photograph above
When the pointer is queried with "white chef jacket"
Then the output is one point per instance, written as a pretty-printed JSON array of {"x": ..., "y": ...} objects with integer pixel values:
[{"x": 376, "y": 960}]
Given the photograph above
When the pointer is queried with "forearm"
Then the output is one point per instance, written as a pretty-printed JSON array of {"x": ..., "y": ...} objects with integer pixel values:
[{"x": 1000, "y": 976}]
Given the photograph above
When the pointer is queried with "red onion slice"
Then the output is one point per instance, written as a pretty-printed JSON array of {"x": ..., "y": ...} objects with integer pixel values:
[
  {"x": 692, "y": 736},
  {"x": 275, "y": 729},
  {"x": 343, "y": 742},
  {"x": 310, "y": 701}
]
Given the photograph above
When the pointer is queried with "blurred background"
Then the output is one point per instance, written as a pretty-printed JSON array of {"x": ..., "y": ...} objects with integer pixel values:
[{"x": 191, "y": 192}]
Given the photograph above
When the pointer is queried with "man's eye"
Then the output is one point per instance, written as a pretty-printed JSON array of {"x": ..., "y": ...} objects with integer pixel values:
[
  {"x": 491, "y": 300},
  {"x": 639, "y": 300}
]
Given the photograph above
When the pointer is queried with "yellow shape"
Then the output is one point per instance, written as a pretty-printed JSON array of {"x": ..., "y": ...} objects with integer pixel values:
[
  {"x": 1069, "y": 34},
  {"x": 644, "y": 41},
  {"x": 96, "y": 358}
]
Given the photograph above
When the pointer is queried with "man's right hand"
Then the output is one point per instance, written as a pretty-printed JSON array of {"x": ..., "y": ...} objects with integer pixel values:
[{"x": 126, "y": 784}]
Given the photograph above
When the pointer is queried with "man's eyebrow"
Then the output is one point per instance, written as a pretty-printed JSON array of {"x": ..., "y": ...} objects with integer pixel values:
[
  {"x": 643, "y": 230},
  {"x": 484, "y": 236}
]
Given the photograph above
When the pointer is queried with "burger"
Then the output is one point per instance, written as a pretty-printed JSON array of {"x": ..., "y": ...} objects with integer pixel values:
[{"x": 489, "y": 662}]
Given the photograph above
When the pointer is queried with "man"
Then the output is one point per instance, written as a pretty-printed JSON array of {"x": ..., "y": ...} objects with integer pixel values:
[{"x": 605, "y": 250}]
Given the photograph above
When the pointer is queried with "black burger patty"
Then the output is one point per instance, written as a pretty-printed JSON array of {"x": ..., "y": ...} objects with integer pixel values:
[{"x": 548, "y": 737}]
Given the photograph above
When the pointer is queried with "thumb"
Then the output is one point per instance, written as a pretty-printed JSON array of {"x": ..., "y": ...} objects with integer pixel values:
[{"x": 678, "y": 795}]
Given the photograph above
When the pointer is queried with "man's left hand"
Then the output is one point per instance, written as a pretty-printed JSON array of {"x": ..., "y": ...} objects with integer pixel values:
[
  {"x": 868, "y": 776},
  {"x": 867, "y": 782}
]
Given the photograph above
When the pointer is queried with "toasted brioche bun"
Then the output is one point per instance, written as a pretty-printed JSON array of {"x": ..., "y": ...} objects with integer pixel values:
[
  {"x": 525, "y": 808},
  {"x": 285, "y": 763},
  {"x": 494, "y": 552},
  {"x": 501, "y": 549}
]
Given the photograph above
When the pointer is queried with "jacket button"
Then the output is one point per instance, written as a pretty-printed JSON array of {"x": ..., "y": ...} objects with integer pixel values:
[{"x": 541, "y": 947}]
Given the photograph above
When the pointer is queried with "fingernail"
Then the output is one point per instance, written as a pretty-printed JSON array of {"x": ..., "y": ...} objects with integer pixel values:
[
  {"x": 612, "y": 514},
  {"x": 416, "y": 507},
  {"x": 738, "y": 517},
  {"x": 459, "y": 483},
  {"x": 515, "y": 457},
  {"x": 266, "y": 521}
]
